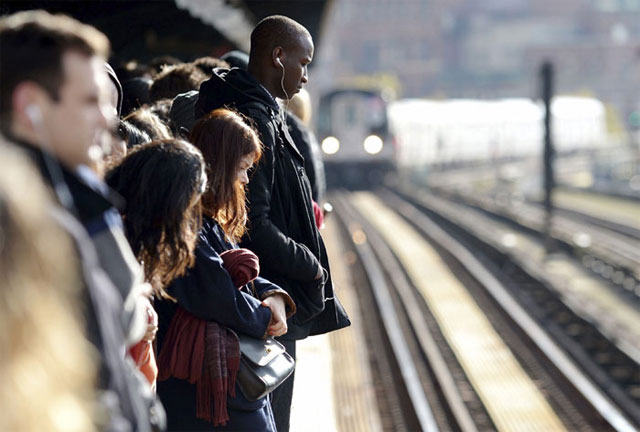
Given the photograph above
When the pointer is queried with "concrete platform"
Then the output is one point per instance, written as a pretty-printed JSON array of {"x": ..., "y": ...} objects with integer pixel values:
[{"x": 333, "y": 388}]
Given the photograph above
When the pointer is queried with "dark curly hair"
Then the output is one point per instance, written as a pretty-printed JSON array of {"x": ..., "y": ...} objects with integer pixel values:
[
  {"x": 162, "y": 182},
  {"x": 224, "y": 138}
]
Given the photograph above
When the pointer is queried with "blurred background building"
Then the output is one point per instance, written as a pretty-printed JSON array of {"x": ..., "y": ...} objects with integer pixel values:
[{"x": 487, "y": 49}]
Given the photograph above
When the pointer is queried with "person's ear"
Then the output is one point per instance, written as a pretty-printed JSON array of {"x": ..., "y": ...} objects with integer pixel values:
[
  {"x": 26, "y": 102},
  {"x": 278, "y": 56}
]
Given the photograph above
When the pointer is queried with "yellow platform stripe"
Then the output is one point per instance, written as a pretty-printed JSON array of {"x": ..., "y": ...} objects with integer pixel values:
[{"x": 511, "y": 398}]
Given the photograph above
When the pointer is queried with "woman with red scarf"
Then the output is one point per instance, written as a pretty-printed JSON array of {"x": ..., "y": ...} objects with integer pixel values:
[{"x": 197, "y": 340}]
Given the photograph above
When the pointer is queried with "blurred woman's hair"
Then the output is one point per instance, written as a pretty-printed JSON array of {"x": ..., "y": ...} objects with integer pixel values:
[
  {"x": 157, "y": 64},
  {"x": 148, "y": 122},
  {"x": 131, "y": 135},
  {"x": 47, "y": 367},
  {"x": 208, "y": 64},
  {"x": 162, "y": 182},
  {"x": 224, "y": 138},
  {"x": 136, "y": 93},
  {"x": 161, "y": 108},
  {"x": 175, "y": 79},
  {"x": 127, "y": 70}
]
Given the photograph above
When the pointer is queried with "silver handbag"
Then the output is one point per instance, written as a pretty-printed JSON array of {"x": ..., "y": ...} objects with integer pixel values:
[{"x": 264, "y": 365}]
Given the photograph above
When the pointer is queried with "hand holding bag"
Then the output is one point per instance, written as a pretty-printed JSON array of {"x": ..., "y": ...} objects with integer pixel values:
[{"x": 264, "y": 365}]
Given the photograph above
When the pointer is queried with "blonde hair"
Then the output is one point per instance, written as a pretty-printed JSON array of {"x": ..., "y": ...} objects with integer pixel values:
[
  {"x": 46, "y": 365},
  {"x": 300, "y": 106}
]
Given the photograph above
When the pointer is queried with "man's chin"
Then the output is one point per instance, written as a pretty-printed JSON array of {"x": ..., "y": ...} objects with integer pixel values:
[{"x": 290, "y": 95}]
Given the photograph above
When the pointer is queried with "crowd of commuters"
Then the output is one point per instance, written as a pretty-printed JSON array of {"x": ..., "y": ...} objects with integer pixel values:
[{"x": 148, "y": 216}]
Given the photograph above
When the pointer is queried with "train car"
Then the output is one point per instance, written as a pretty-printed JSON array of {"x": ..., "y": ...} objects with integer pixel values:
[
  {"x": 353, "y": 128},
  {"x": 462, "y": 132}
]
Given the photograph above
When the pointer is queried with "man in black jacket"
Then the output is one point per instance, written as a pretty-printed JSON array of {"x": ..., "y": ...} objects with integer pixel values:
[{"x": 282, "y": 230}]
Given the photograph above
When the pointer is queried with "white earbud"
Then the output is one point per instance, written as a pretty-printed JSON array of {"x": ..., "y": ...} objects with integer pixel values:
[
  {"x": 279, "y": 62},
  {"x": 35, "y": 115}
]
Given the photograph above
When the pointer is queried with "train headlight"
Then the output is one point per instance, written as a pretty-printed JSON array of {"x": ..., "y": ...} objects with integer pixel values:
[
  {"x": 373, "y": 144},
  {"x": 330, "y": 145}
]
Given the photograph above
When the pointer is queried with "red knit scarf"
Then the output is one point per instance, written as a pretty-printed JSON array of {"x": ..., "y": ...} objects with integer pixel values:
[
  {"x": 242, "y": 264},
  {"x": 206, "y": 354}
]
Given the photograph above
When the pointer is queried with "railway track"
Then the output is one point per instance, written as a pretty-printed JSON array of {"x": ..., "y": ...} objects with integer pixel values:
[
  {"x": 609, "y": 249},
  {"x": 437, "y": 392},
  {"x": 503, "y": 228},
  {"x": 618, "y": 228}
]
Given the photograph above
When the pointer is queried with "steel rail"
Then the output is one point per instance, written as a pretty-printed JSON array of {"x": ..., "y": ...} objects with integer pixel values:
[
  {"x": 596, "y": 398},
  {"x": 412, "y": 382}
]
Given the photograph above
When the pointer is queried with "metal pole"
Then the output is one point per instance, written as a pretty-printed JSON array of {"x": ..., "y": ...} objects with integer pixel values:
[{"x": 546, "y": 73}]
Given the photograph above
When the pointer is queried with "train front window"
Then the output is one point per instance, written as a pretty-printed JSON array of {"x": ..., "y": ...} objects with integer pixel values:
[
  {"x": 376, "y": 108},
  {"x": 350, "y": 114}
]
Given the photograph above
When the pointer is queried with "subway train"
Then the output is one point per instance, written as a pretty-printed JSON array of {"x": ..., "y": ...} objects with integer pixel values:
[
  {"x": 353, "y": 129},
  {"x": 461, "y": 132}
]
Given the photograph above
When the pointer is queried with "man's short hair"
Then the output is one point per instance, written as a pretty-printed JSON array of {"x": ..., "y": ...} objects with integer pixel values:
[
  {"x": 32, "y": 45},
  {"x": 273, "y": 31}
]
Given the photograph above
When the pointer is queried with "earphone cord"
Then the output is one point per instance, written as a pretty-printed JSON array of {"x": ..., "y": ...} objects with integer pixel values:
[{"x": 284, "y": 113}]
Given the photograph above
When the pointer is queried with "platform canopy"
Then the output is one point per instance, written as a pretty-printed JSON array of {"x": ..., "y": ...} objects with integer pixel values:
[{"x": 183, "y": 28}]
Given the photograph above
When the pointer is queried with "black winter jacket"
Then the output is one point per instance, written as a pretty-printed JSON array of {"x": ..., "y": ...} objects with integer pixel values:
[
  {"x": 307, "y": 144},
  {"x": 282, "y": 229}
]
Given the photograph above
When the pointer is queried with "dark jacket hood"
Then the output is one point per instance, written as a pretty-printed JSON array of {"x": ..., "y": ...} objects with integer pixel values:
[
  {"x": 116, "y": 82},
  {"x": 231, "y": 87}
]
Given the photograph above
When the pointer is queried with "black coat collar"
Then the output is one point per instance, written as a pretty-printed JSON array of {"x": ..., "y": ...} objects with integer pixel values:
[{"x": 91, "y": 197}]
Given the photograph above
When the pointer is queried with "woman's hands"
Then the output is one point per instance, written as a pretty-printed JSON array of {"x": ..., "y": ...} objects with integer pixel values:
[
  {"x": 152, "y": 323},
  {"x": 278, "y": 324}
]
